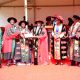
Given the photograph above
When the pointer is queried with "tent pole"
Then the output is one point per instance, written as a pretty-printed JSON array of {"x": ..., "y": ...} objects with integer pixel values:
[{"x": 26, "y": 12}]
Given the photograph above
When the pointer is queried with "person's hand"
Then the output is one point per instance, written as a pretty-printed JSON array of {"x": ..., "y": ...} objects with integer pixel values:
[{"x": 22, "y": 35}]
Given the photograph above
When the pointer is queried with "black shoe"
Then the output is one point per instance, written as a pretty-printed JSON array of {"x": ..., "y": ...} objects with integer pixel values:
[
  {"x": 0, "y": 66},
  {"x": 72, "y": 63},
  {"x": 78, "y": 64},
  {"x": 0, "y": 63}
]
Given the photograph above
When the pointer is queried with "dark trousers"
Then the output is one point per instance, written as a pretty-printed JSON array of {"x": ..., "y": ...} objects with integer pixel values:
[{"x": 72, "y": 62}]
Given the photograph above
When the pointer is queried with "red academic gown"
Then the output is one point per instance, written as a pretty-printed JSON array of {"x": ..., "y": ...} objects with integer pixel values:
[
  {"x": 43, "y": 48},
  {"x": 7, "y": 40}
]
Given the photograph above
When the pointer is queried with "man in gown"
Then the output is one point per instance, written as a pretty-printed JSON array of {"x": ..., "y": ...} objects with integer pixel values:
[
  {"x": 74, "y": 35},
  {"x": 9, "y": 36},
  {"x": 41, "y": 43}
]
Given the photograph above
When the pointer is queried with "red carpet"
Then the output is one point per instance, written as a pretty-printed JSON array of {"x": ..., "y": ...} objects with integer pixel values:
[{"x": 40, "y": 72}]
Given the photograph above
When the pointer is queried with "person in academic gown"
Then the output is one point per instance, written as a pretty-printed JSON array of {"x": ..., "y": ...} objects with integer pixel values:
[
  {"x": 9, "y": 36},
  {"x": 25, "y": 42},
  {"x": 60, "y": 43},
  {"x": 0, "y": 46},
  {"x": 74, "y": 38},
  {"x": 41, "y": 44}
]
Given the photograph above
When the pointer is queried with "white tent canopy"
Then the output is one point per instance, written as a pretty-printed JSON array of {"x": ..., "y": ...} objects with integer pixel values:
[
  {"x": 39, "y": 2},
  {"x": 37, "y": 9},
  {"x": 15, "y": 3}
]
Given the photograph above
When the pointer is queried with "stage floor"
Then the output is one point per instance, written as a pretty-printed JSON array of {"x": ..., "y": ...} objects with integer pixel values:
[{"x": 40, "y": 72}]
